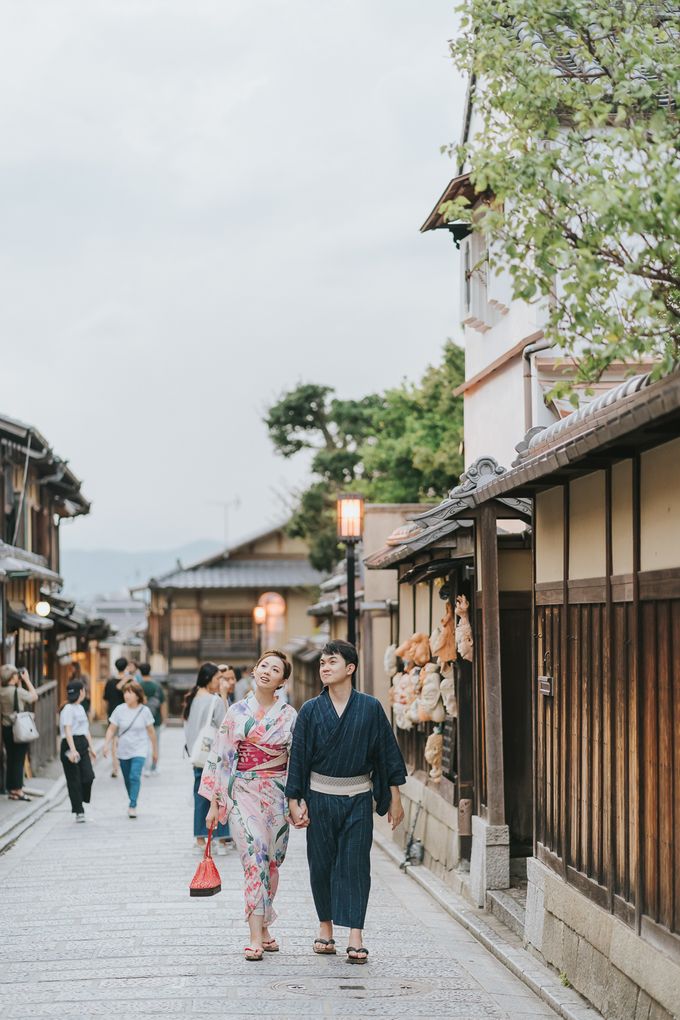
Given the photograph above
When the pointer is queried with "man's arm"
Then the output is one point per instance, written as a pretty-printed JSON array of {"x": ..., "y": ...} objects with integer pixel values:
[{"x": 298, "y": 770}]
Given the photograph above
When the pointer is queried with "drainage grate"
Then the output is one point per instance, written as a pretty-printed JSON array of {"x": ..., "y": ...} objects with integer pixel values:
[{"x": 380, "y": 988}]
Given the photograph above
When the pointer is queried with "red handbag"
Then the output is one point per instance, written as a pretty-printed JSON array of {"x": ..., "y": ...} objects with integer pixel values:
[{"x": 206, "y": 881}]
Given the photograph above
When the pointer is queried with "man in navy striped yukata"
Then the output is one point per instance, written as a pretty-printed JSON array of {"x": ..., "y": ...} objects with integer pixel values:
[{"x": 344, "y": 755}]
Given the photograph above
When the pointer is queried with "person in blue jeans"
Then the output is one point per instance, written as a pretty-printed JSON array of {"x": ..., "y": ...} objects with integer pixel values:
[
  {"x": 132, "y": 724},
  {"x": 205, "y": 705}
]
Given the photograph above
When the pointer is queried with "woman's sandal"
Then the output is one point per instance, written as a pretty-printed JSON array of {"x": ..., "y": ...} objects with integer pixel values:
[
  {"x": 270, "y": 945},
  {"x": 22, "y": 796},
  {"x": 253, "y": 954},
  {"x": 328, "y": 947},
  {"x": 357, "y": 950}
]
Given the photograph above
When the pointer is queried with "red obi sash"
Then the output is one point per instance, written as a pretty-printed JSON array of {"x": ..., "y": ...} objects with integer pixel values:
[{"x": 261, "y": 757}]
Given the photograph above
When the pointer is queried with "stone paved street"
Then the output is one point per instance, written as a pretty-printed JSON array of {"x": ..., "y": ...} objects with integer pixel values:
[{"x": 100, "y": 923}]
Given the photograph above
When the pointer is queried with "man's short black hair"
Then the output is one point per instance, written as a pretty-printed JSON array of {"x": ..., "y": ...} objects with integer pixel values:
[
  {"x": 343, "y": 648},
  {"x": 145, "y": 668},
  {"x": 120, "y": 664}
]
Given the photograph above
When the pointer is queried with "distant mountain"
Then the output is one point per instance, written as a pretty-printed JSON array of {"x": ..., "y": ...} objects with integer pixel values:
[{"x": 91, "y": 572}]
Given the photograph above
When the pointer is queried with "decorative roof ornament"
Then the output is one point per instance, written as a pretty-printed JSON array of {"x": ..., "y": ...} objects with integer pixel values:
[
  {"x": 482, "y": 471},
  {"x": 523, "y": 446}
]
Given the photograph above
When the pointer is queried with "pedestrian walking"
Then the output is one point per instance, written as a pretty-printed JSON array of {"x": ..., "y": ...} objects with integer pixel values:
[
  {"x": 77, "y": 753},
  {"x": 244, "y": 684},
  {"x": 131, "y": 724},
  {"x": 244, "y": 780},
  {"x": 205, "y": 706},
  {"x": 16, "y": 693},
  {"x": 344, "y": 755},
  {"x": 155, "y": 700},
  {"x": 113, "y": 696}
]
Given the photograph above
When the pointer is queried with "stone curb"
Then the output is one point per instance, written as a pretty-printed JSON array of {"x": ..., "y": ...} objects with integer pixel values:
[
  {"x": 15, "y": 827},
  {"x": 566, "y": 1002}
]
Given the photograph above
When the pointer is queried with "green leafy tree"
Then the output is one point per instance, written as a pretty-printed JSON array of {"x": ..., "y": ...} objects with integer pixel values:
[
  {"x": 415, "y": 452},
  {"x": 577, "y": 137},
  {"x": 400, "y": 446}
]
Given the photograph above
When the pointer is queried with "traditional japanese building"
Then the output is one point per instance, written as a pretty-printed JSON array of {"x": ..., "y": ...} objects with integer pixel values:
[
  {"x": 38, "y": 491},
  {"x": 205, "y": 612}
]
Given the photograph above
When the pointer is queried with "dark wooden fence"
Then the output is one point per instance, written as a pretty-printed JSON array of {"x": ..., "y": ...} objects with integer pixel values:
[{"x": 608, "y": 751}]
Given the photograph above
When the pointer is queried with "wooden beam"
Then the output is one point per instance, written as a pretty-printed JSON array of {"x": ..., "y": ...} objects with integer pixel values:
[
  {"x": 510, "y": 355},
  {"x": 564, "y": 698},
  {"x": 608, "y": 684},
  {"x": 493, "y": 697},
  {"x": 637, "y": 676}
]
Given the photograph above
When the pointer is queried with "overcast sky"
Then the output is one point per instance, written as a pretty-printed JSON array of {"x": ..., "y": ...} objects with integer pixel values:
[{"x": 201, "y": 204}]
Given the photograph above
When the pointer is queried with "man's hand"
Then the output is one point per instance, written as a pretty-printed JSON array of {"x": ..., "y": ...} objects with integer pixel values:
[
  {"x": 395, "y": 814},
  {"x": 298, "y": 813}
]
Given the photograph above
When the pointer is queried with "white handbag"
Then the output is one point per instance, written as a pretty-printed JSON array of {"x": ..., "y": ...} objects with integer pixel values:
[
  {"x": 24, "y": 729},
  {"x": 203, "y": 743}
]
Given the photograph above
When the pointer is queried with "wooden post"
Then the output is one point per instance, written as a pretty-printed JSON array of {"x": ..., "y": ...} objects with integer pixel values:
[
  {"x": 609, "y": 865},
  {"x": 493, "y": 699},
  {"x": 564, "y": 693},
  {"x": 637, "y": 674}
]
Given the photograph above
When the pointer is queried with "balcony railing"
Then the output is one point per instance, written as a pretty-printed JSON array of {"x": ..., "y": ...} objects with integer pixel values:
[{"x": 214, "y": 649}]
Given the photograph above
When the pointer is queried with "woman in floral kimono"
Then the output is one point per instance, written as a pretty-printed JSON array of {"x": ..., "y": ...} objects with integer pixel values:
[{"x": 244, "y": 779}]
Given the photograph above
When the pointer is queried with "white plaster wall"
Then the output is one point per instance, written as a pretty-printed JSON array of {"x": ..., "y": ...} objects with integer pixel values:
[
  {"x": 622, "y": 517},
  {"x": 494, "y": 416},
  {"x": 549, "y": 535},
  {"x": 380, "y": 520},
  {"x": 422, "y": 608},
  {"x": 587, "y": 537},
  {"x": 514, "y": 570},
  {"x": 660, "y": 507}
]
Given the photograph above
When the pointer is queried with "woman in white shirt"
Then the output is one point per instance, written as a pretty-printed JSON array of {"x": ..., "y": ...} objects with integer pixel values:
[
  {"x": 77, "y": 752},
  {"x": 132, "y": 724},
  {"x": 204, "y": 704}
]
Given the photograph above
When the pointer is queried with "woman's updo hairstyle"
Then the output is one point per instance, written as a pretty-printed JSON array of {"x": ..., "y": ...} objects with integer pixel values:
[
  {"x": 205, "y": 674},
  {"x": 287, "y": 664}
]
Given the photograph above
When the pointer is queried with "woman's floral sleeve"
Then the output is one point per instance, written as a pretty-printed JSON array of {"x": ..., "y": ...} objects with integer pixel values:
[{"x": 219, "y": 766}]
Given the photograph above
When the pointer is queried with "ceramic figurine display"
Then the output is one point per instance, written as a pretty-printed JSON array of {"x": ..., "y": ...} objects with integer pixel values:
[
  {"x": 433, "y": 755},
  {"x": 464, "y": 641}
]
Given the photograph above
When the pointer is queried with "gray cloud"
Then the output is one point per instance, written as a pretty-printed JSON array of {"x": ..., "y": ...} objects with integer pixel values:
[{"x": 202, "y": 204}]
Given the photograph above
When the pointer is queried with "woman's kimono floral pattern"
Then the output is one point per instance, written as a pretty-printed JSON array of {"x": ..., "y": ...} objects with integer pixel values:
[{"x": 253, "y": 801}]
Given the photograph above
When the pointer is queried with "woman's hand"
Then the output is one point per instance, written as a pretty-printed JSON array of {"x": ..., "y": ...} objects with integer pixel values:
[
  {"x": 93, "y": 753},
  {"x": 298, "y": 813},
  {"x": 213, "y": 815},
  {"x": 105, "y": 750}
]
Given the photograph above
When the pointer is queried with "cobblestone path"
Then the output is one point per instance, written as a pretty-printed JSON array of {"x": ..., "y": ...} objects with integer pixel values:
[{"x": 97, "y": 921}]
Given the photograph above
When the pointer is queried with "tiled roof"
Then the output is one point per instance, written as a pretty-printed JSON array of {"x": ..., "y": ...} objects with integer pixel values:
[
  {"x": 632, "y": 415},
  {"x": 281, "y": 573}
]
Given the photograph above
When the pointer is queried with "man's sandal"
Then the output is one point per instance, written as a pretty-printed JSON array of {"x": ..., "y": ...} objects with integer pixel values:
[
  {"x": 327, "y": 947},
  {"x": 270, "y": 946},
  {"x": 361, "y": 954},
  {"x": 253, "y": 954}
]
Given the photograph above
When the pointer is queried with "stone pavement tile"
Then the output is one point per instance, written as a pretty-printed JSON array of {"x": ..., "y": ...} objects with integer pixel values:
[
  {"x": 106, "y": 928},
  {"x": 523, "y": 1005}
]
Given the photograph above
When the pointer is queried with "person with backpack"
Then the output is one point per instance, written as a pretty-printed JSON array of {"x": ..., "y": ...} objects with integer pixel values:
[
  {"x": 155, "y": 699},
  {"x": 204, "y": 709},
  {"x": 113, "y": 696}
]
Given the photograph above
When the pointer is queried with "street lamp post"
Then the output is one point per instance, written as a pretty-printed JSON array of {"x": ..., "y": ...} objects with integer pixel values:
[
  {"x": 350, "y": 512},
  {"x": 259, "y": 616}
]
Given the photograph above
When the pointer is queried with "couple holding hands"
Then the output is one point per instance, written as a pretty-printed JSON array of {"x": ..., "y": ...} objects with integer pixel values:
[{"x": 329, "y": 762}]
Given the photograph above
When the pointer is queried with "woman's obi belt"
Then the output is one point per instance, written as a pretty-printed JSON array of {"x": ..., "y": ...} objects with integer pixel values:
[
  {"x": 340, "y": 786},
  {"x": 261, "y": 757}
]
